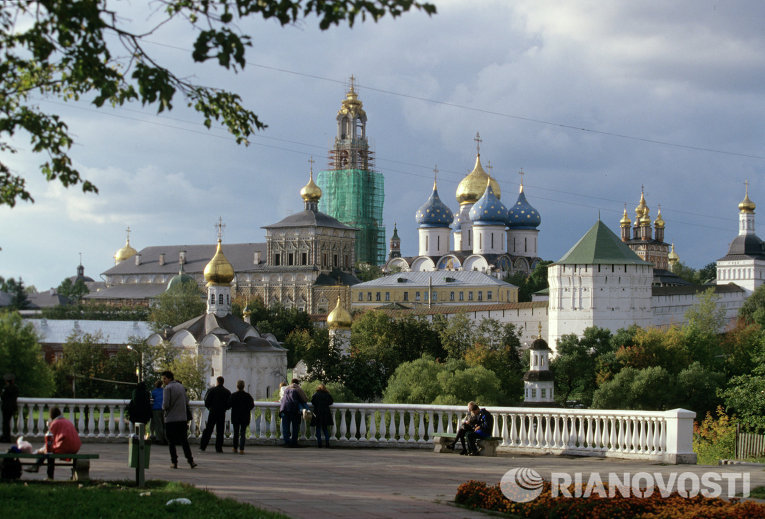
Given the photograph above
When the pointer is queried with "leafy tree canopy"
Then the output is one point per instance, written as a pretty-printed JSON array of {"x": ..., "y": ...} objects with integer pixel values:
[
  {"x": 177, "y": 306},
  {"x": 74, "y": 292},
  {"x": 14, "y": 288},
  {"x": 21, "y": 354},
  {"x": 534, "y": 282},
  {"x": 77, "y": 49},
  {"x": 368, "y": 272}
]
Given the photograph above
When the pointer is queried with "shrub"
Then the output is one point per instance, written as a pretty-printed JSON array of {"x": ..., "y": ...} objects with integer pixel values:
[{"x": 714, "y": 439}]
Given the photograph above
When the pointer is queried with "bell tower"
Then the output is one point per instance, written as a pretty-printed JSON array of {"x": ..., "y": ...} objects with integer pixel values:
[{"x": 351, "y": 147}]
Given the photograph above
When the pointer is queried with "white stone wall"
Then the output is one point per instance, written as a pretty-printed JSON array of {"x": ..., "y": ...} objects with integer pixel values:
[
  {"x": 489, "y": 239},
  {"x": 538, "y": 392},
  {"x": 669, "y": 310},
  {"x": 746, "y": 273},
  {"x": 522, "y": 242},
  {"x": 434, "y": 241},
  {"x": 262, "y": 371}
]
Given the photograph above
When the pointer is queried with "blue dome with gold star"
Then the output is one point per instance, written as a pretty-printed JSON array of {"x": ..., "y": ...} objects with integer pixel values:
[
  {"x": 488, "y": 210},
  {"x": 522, "y": 215},
  {"x": 434, "y": 213}
]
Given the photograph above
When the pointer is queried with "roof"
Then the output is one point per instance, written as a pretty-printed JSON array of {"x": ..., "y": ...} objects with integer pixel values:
[
  {"x": 424, "y": 309},
  {"x": 307, "y": 218},
  {"x": 439, "y": 278},
  {"x": 336, "y": 277},
  {"x": 600, "y": 246},
  {"x": 46, "y": 299},
  {"x": 128, "y": 291},
  {"x": 680, "y": 290},
  {"x": 538, "y": 376},
  {"x": 662, "y": 277},
  {"x": 744, "y": 247},
  {"x": 434, "y": 213},
  {"x": 55, "y": 331},
  {"x": 240, "y": 255},
  {"x": 207, "y": 324}
]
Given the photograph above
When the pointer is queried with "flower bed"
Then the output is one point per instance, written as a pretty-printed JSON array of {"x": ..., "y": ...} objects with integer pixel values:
[{"x": 477, "y": 494}]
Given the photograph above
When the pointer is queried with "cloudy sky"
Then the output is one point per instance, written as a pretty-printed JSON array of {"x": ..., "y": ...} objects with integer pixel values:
[{"x": 591, "y": 99}]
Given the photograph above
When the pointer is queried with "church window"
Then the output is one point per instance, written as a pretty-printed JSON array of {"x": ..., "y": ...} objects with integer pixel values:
[
  {"x": 347, "y": 262},
  {"x": 324, "y": 260},
  {"x": 369, "y": 296},
  {"x": 543, "y": 391},
  {"x": 451, "y": 296},
  {"x": 438, "y": 242},
  {"x": 534, "y": 360},
  {"x": 462, "y": 296},
  {"x": 227, "y": 300},
  {"x": 533, "y": 393},
  {"x": 435, "y": 296},
  {"x": 268, "y": 392},
  {"x": 480, "y": 295},
  {"x": 290, "y": 259},
  {"x": 361, "y": 296},
  {"x": 416, "y": 296},
  {"x": 470, "y": 238},
  {"x": 387, "y": 296},
  {"x": 334, "y": 260},
  {"x": 304, "y": 258},
  {"x": 488, "y": 295},
  {"x": 277, "y": 259},
  {"x": 426, "y": 244},
  {"x": 406, "y": 296},
  {"x": 598, "y": 268},
  {"x": 212, "y": 299},
  {"x": 470, "y": 295},
  {"x": 425, "y": 295},
  {"x": 612, "y": 268},
  {"x": 377, "y": 296},
  {"x": 525, "y": 245},
  {"x": 220, "y": 299}
]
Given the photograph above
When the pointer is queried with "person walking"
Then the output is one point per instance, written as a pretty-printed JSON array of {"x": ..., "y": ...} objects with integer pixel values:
[
  {"x": 9, "y": 397},
  {"x": 289, "y": 411},
  {"x": 175, "y": 403},
  {"x": 322, "y": 414},
  {"x": 139, "y": 408},
  {"x": 217, "y": 402},
  {"x": 241, "y": 406},
  {"x": 157, "y": 415}
]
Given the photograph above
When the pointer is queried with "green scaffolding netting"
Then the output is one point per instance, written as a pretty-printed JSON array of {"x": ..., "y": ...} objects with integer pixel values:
[{"x": 356, "y": 197}]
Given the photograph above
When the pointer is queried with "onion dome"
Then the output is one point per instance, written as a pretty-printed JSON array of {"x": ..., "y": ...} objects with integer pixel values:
[
  {"x": 625, "y": 221},
  {"x": 219, "y": 271},
  {"x": 488, "y": 210},
  {"x": 473, "y": 185},
  {"x": 351, "y": 104},
  {"x": 310, "y": 192},
  {"x": 434, "y": 213},
  {"x": 339, "y": 317},
  {"x": 641, "y": 208},
  {"x": 125, "y": 252},
  {"x": 457, "y": 223},
  {"x": 746, "y": 205},
  {"x": 659, "y": 222},
  {"x": 522, "y": 215},
  {"x": 672, "y": 256},
  {"x": 180, "y": 280},
  {"x": 645, "y": 220}
]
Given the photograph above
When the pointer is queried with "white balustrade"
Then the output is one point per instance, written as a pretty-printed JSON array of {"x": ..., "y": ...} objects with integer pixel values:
[{"x": 655, "y": 435}]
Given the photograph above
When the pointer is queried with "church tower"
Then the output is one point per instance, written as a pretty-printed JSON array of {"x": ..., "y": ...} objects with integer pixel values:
[
  {"x": 219, "y": 273},
  {"x": 433, "y": 220},
  {"x": 354, "y": 192},
  {"x": 522, "y": 223},
  {"x": 339, "y": 323},
  {"x": 539, "y": 381},
  {"x": 488, "y": 216},
  {"x": 395, "y": 244},
  {"x": 646, "y": 241}
]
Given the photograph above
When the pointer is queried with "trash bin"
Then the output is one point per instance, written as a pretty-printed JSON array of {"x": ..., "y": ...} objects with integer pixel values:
[{"x": 133, "y": 452}]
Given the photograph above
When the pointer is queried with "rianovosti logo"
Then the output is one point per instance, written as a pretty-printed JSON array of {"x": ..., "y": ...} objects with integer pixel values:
[{"x": 522, "y": 484}]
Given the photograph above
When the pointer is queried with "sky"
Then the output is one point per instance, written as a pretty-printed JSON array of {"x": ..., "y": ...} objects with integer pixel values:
[{"x": 591, "y": 99}]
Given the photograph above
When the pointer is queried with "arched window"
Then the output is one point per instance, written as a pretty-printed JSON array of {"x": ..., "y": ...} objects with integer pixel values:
[{"x": 220, "y": 299}]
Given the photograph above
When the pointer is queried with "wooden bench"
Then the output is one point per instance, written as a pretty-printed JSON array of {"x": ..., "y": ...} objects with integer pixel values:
[
  {"x": 80, "y": 463},
  {"x": 486, "y": 446}
]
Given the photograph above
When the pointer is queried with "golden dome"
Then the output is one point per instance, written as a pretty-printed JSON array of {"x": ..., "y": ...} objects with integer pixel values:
[
  {"x": 125, "y": 252},
  {"x": 471, "y": 188},
  {"x": 339, "y": 317},
  {"x": 659, "y": 222},
  {"x": 219, "y": 271},
  {"x": 672, "y": 256},
  {"x": 642, "y": 208},
  {"x": 746, "y": 205},
  {"x": 351, "y": 104},
  {"x": 310, "y": 192},
  {"x": 625, "y": 221}
]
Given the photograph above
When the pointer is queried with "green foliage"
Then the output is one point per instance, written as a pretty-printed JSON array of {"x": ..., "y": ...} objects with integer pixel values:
[
  {"x": 576, "y": 362},
  {"x": 534, "y": 282},
  {"x": 697, "y": 389},
  {"x": 74, "y": 292},
  {"x": 84, "y": 357},
  {"x": 177, "y": 306},
  {"x": 339, "y": 392},
  {"x": 426, "y": 381},
  {"x": 279, "y": 320},
  {"x": 21, "y": 354},
  {"x": 706, "y": 316},
  {"x": 97, "y": 312},
  {"x": 753, "y": 309},
  {"x": 457, "y": 335},
  {"x": 10, "y": 286},
  {"x": 191, "y": 371},
  {"x": 714, "y": 438},
  {"x": 368, "y": 272},
  {"x": 648, "y": 389},
  {"x": 698, "y": 277},
  {"x": 745, "y": 394},
  {"x": 74, "y": 50}
]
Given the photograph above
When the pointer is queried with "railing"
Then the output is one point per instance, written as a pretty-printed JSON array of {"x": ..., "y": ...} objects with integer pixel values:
[
  {"x": 655, "y": 435},
  {"x": 749, "y": 445}
]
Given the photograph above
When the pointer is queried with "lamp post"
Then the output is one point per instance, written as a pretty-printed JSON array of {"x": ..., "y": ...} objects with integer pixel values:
[{"x": 139, "y": 369}]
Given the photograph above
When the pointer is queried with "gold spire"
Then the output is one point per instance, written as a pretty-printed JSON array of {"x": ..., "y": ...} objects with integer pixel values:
[
  {"x": 471, "y": 188},
  {"x": 310, "y": 192},
  {"x": 659, "y": 222},
  {"x": 625, "y": 221},
  {"x": 351, "y": 104},
  {"x": 746, "y": 205},
  {"x": 641, "y": 208},
  {"x": 672, "y": 256},
  {"x": 125, "y": 252},
  {"x": 219, "y": 271},
  {"x": 339, "y": 317}
]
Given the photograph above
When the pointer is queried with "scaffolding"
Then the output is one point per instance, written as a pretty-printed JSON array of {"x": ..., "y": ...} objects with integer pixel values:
[{"x": 355, "y": 197}]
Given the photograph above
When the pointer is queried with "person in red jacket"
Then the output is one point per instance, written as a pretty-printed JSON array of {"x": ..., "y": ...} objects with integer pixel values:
[{"x": 65, "y": 440}]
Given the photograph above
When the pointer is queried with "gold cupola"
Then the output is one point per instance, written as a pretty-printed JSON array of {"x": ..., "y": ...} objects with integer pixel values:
[
  {"x": 351, "y": 105},
  {"x": 125, "y": 252},
  {"x": 219, "y": 271},
  {"x": 310, "y": 192},
  {"x": 471, "y": 188},
  {"x": 339, "y": 317},
  {"x": 659, "y": 222},
  {"x": 625, "y": 221},
  {"x": 746, "y": 205},
  {"x": 642, "y": 208},
  {"x": 672, "y": 256}
]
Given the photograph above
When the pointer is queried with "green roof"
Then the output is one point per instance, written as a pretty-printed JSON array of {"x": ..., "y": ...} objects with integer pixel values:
[{"x": 600, "y": 246}]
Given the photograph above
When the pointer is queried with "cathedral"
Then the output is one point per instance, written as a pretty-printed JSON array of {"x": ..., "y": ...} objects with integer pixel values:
[{"x": 486, "y": 235}]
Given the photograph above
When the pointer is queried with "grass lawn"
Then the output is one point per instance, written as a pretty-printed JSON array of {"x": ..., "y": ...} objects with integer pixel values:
[
  {"x": 119, "y": 499},
  {"x": 757, "y": 493}
]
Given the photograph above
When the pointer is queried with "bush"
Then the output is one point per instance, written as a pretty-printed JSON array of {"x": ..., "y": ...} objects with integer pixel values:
[{"x": 714, "y": 439}]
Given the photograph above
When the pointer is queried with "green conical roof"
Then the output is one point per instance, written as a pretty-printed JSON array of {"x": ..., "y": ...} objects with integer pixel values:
[{"x": 600, "y": 246}]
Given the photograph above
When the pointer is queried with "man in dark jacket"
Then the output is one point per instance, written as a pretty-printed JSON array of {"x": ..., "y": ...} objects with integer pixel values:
[
  {"x": 217, "y": 402},
  {"x": 289, "y": 411},
  {"x": 241, "y": 405},
  {"x": 9, "y": 406}
]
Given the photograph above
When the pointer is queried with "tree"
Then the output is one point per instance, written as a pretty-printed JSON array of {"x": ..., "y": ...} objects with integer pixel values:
[
  {"x": 753, "y": 309},
  {"x": 22, "y": 355},
  {"x": 576, "y": 362},
  {"x": 698, "y": 388},
  {"x": 745, "y": 394},
  {"x": 534, "y": 282},
  {"x": 649, "y": 389},
  {"x": 84, "y": 359},
  {"x": 74, "y": 292},
  {"x": 176, "y": 306},
  {"x": 84, "y": 49},
  {"x": 13, "y": 288},
  {"x": 190, "y": 370},
  {"x": 368, "y": 272},
  {"x": 457, "y": 335}
]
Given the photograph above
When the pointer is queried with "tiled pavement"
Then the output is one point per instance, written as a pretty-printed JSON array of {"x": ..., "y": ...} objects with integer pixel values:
[{"x": 352, "y": 483}]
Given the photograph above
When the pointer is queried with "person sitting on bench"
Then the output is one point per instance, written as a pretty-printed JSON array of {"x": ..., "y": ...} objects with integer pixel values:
[
  {"x": 65, "y": 441},
  {"x": 467, "y": 425},
  {"x": 481, "y": 430}
]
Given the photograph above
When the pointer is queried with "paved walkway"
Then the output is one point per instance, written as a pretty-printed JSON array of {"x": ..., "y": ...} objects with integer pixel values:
[{"x": 352, "y": 483}]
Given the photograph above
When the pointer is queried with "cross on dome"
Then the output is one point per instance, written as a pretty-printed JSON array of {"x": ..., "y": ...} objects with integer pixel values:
[
  {"x": 128, "y": 232},
  {"x": 311, "y": 161},
  {"x": 478, "y": 142},
  {"x": 521, "y": 173},
  {"x": 220, "y": 226}
]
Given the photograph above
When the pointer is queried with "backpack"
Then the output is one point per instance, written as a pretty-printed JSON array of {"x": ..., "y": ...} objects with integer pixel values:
[
  {"x": 486, "y": 421},
  {"x": 10, "y": 468}
]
